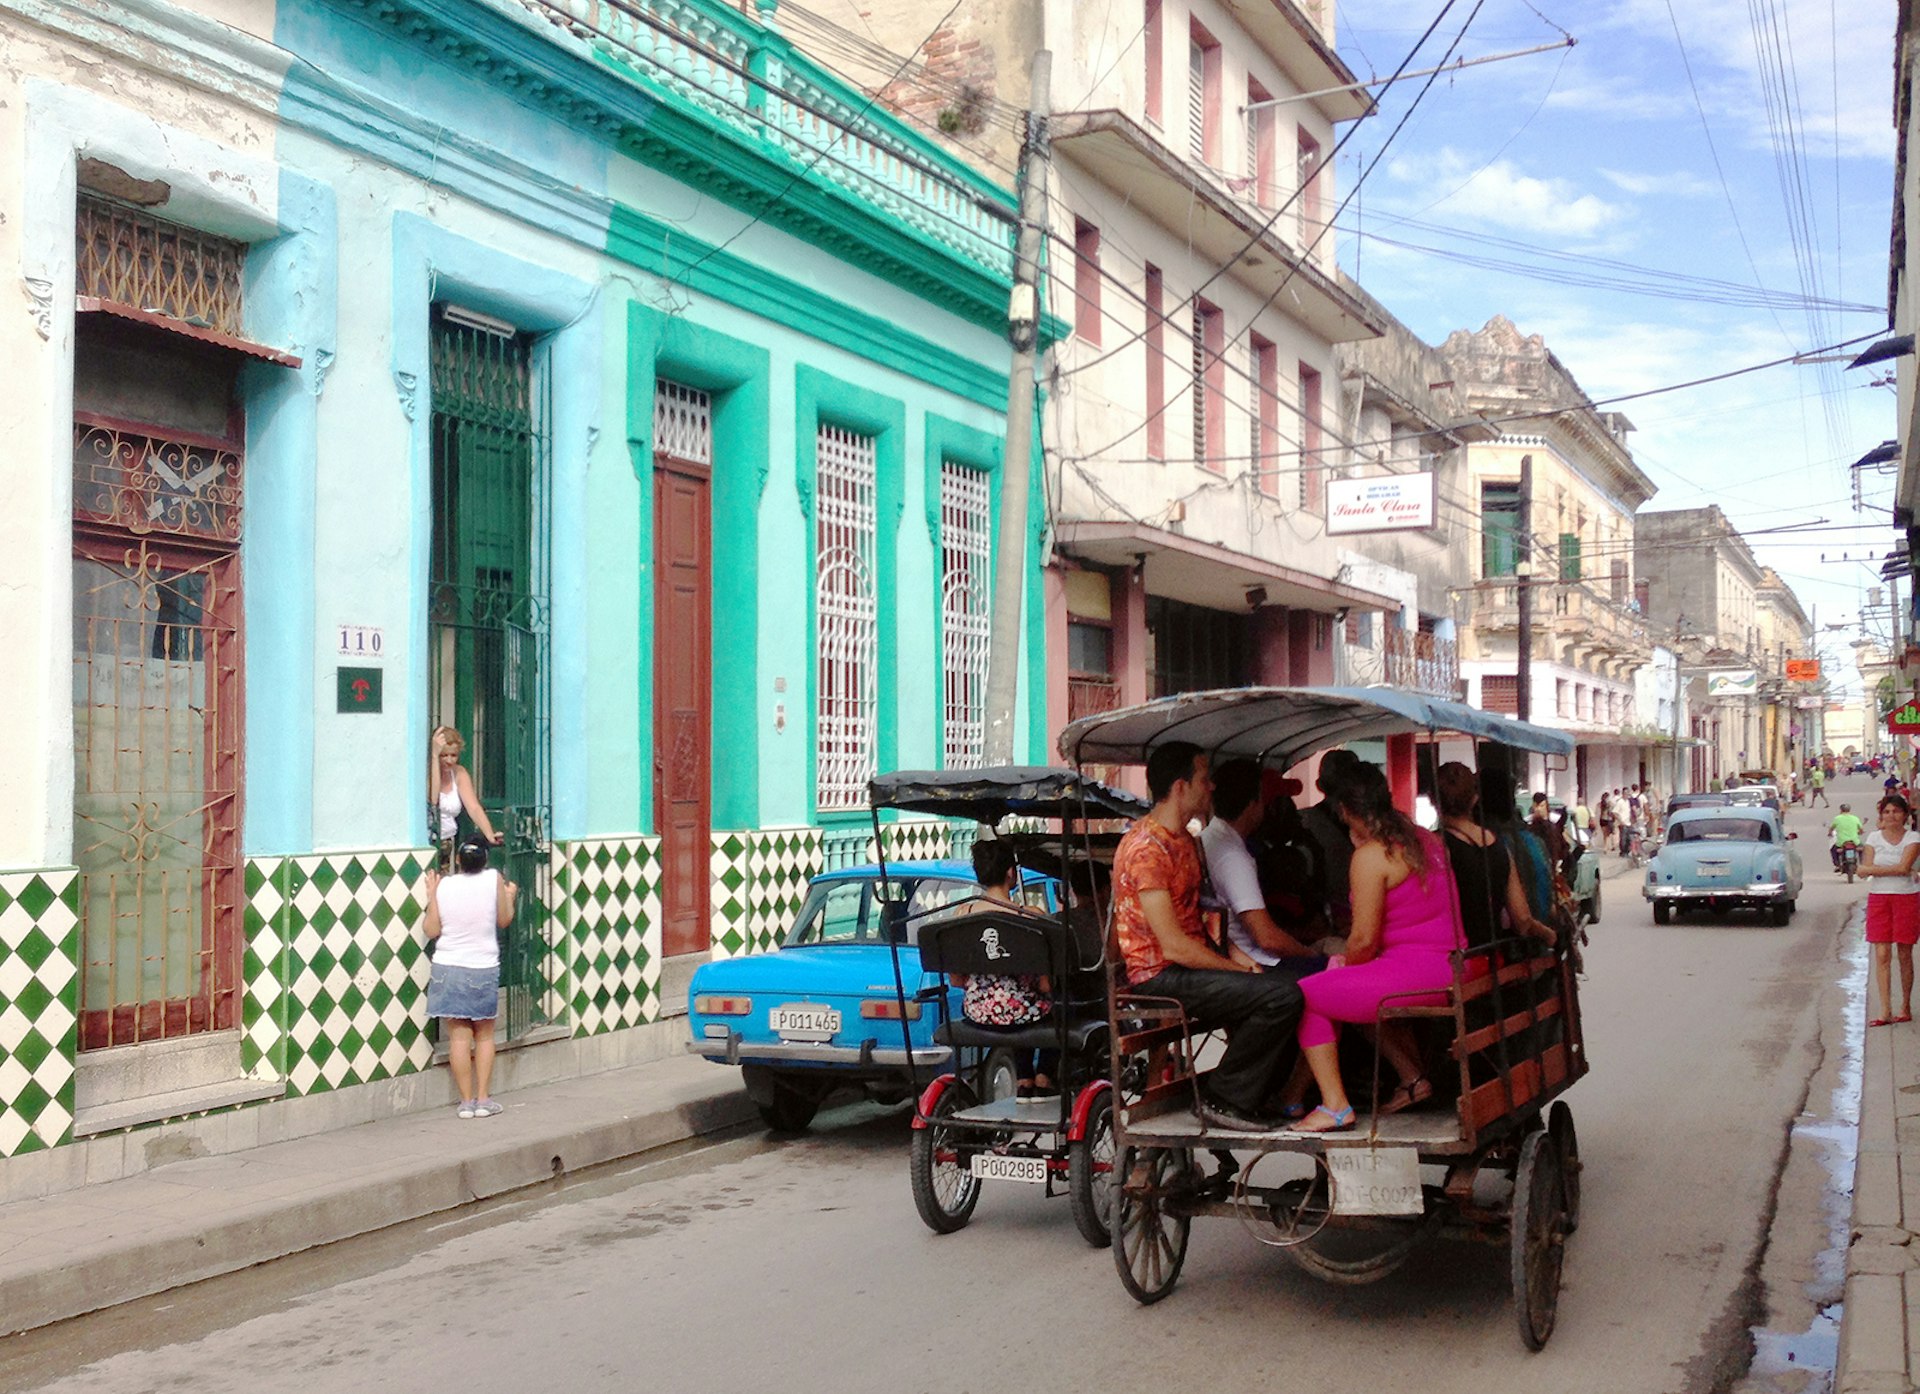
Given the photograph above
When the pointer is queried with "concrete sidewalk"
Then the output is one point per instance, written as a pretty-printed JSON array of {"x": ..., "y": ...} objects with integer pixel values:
[
  {"x": 1880, "y": 1325},
  {"x": 82, "y": 1250}
]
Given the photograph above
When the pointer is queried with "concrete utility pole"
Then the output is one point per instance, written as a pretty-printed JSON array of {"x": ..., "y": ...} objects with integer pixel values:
[
  {"x": 1523, "y": 574},
  {"x": 1023, "y": 328}
]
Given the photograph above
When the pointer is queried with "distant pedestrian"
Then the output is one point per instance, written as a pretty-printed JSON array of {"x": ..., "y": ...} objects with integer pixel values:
[
  {"x": 1893, "y": 905},
  {"x": 465, "y": 914},
  {"x": 1817, "y": 787},
  {"x": 1605, "y": 812}
]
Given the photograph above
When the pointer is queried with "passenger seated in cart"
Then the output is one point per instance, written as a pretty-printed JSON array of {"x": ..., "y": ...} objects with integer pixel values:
[
  {"x": 1483, "y": 869},
  {"x": 995, "y": 999},
  {"x": 1406, "y": 926},
  {"x": 1156, "y": 919},
  {"x": 1290, "y": 864},
  {"x": 1238, "y": 810}
]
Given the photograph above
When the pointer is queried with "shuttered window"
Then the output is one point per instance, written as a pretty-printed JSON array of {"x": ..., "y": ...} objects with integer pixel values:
[
  {"x": 845, "y": 699},
  {"x": 966, "y": 598}
]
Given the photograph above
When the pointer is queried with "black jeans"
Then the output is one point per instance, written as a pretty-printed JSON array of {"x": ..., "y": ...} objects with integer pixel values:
[{"x": 1261, "y": 1012}]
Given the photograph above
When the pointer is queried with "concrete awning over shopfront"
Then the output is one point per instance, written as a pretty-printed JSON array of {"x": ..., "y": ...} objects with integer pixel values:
[{"x": 1201, "y": 573}]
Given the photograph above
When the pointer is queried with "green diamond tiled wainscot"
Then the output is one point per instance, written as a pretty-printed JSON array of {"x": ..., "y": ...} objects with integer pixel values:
[
  {"x": 355, "y": 979},
  {"x": 759, "y": 878},
  {"x": 39, "y": 1007},
  {"x": 263, "y": 1027},
  {"x": 609, "y": 893}
]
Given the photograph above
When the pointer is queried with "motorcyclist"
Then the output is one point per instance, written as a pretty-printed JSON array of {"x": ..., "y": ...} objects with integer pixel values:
[{"x": 1845, "y": 829}]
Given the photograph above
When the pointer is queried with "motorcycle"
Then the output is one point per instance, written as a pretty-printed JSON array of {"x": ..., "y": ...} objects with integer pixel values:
[{"x": 1846, "y": 859}]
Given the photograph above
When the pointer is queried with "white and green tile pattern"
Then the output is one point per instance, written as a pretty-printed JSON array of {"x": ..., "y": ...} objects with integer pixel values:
[
  {"x": 39, "y": 1007},
  {"x": 355, "y": 978},
  {"x": 607, "y": 913},
  {"x": 759, "y": 879}
]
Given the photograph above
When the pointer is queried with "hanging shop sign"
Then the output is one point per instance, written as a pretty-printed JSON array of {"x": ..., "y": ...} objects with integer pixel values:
[
  {"x": 1734, "y": 682},
  {"x": 1385, "y": 503},
  {"x": 1803, "y": 670},
  {"x": 1904, "y": 720}
]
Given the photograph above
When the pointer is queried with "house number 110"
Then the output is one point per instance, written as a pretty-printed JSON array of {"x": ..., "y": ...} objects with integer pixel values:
[{"x": 359, "y": 640}]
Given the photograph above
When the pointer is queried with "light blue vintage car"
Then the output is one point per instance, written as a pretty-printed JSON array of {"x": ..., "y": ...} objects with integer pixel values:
[
  {"x": 1732, "y": 857},
  {"x": 823, "y": 1011}
]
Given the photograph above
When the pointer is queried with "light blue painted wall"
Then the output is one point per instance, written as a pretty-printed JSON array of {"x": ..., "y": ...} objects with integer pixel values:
[
  {"x": 291, "y": 303},
  {"x": 435, "y": 232}
]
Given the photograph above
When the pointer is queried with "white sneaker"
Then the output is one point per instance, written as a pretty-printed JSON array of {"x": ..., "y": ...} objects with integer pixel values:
[
  {"x": 468, "y": 1109},
  {"x": 487, "y": 1108}
]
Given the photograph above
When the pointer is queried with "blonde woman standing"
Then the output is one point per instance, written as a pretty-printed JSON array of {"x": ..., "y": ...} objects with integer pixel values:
[{"x": 451, "y": 796}]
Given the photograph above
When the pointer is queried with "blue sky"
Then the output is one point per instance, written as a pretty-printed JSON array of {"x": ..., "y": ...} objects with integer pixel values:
[{"x": 1598, "y": 152}]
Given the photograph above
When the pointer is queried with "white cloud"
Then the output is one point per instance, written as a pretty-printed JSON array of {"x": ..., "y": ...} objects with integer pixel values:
[
  {"x": 1620, "y": 96},
  {"x": 1500, "y": 195},
  {"x": 1673, "y": 184}
]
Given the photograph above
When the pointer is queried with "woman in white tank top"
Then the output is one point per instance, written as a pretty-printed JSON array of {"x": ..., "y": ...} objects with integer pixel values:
[
  {"x": 450, "y": 794},
  {"x": 465, "y": 914}
]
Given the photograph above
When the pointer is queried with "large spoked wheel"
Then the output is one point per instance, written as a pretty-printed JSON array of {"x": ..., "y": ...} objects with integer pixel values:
[
  {"x": 945, "y": 1190},
  {"x": 1090, "y": 1174},
  {"x": 1560, "y": 1128},
  {"x": 999, "y": 1076},
  {"x": 1149, "y": 1231},
  {"x": 1537, "y": 1238}
]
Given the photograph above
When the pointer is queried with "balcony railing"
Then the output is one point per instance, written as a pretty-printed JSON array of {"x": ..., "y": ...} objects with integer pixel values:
[
  {"x": 748, "y": 78},
  {"x": 1419, "y": 662}
]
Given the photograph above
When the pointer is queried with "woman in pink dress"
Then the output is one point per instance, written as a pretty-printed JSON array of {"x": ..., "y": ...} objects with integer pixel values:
[{"x": 1406, "y": 925}]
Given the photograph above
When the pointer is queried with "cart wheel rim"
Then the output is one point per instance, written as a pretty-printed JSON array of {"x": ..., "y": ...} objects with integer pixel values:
[
  {"x": 1101, "y": 1152},
  {"x": 1150, "y": 1241},
  {"x": 953, "y": 1183}
]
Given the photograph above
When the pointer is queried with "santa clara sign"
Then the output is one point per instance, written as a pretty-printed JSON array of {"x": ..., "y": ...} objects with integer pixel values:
[
  {"x": 1386, "y": 503},
  {"x": 1904, "y": 720}
]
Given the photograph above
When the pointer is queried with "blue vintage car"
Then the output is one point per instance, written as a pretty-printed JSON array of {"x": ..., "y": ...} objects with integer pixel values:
[
  {"x": 823, "y": 1010},
  {"x": 1732, "y": 857}
]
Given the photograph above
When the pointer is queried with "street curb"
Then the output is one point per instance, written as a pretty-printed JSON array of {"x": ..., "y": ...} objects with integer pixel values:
[{"x": 329, "y": 1212}]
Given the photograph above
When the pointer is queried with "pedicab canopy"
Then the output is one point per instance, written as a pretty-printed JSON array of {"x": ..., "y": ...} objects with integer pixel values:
[
  {"x": 999, "y": 791},
  {"x": 1280, "y": 726}
]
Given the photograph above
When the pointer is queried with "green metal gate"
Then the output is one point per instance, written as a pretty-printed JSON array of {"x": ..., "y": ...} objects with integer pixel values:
[{"x": 488, "y": 616}]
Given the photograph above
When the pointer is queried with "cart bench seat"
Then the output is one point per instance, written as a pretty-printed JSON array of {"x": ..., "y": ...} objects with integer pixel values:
[{"x": 1084, "y": 1031}]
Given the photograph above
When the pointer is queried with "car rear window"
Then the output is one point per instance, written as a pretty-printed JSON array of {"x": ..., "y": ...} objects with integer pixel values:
[
  {"x": 848, "y": 911},
  {"x": 1721, "y": 830}
]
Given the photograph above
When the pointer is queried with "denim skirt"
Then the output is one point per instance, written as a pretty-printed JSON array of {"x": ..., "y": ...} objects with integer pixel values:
[{"x": 466, "y": 994}]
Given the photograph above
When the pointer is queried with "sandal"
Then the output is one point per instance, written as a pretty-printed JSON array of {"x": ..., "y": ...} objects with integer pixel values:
[
  {"x": 1881, "y": 1021},
  {"x": 1415, "y": 1091},
  {"x": 1293, "y": 1112},
  {"x": 1904, "y": 1016},
  {"x": 1342, "y": 1120}
]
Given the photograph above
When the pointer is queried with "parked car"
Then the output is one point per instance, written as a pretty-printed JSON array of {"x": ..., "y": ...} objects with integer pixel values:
[
  {"x": 1730, "y": 857},
  {"x": 823, "y": 1010}
]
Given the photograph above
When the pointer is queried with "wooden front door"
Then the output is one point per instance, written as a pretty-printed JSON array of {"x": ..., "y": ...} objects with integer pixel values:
[{"x": 683, "y": 686}]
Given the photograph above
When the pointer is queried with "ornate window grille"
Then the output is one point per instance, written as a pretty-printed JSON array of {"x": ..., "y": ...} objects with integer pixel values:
[
  {"x": 133, "y": 258},
  {"x": 845, "y": 605},
  {"x": 146, "y": 483},
  {"x": 966, "y": 606},
  {"x": 682, "y": 422}
]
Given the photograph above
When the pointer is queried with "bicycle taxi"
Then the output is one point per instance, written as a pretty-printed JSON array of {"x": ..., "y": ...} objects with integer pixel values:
[
  {"x": 1498, "y": 1162},
  {"x": 1065, "y": 825}
]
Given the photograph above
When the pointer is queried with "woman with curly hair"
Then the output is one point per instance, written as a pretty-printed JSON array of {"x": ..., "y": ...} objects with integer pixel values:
[
  {"x": 1893, "y": 905},
  {"x": 1406, "y": 923}
]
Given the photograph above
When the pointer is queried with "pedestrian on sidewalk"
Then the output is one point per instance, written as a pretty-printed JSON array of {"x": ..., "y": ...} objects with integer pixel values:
[
  {"x": 1893, "y": 905},
  {"x": 465, "y": 914}
]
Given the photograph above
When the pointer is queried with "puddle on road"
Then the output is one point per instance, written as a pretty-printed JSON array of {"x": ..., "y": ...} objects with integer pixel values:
[{"x": 1804, "y": 1361}]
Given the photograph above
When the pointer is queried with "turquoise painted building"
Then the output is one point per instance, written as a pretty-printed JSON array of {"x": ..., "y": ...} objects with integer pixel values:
[{"x": 612, "y": 384}]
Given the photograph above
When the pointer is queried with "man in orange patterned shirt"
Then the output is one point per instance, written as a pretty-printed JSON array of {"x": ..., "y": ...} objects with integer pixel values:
[{"x": 1156, "y": 914}]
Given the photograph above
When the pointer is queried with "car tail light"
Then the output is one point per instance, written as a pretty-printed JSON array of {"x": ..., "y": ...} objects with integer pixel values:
[
  {"x": 723, "y": 1006},
  {"x": 886, "y": 1009}
]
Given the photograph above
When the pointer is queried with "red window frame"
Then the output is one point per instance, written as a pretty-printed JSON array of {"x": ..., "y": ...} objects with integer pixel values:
[
  {"x": 1209, "y": 94},
  {"x": 1151, "y": 31},
  {"x": 1086, "y": 282},
  {"x": 1312, "y": 470},
  {"x": 1307, "y": 167},
  {"x": 1156, "y": 343},
  {"x": 1210, "y": 387},
  {"x": 1260, "y": 146},
  {"x": 1266, "y": 420}
]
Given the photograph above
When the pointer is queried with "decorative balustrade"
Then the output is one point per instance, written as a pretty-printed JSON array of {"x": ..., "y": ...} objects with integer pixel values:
[
  {"x": 1420, "y": 662},
  {"x": 738, "y": 73}
]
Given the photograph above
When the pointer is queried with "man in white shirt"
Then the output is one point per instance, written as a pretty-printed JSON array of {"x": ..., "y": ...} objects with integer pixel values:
[{"x": 1237, "y": 811}]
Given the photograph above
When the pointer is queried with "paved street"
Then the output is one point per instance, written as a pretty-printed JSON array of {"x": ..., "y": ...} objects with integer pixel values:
[{"x": 801, "y": 1265}]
